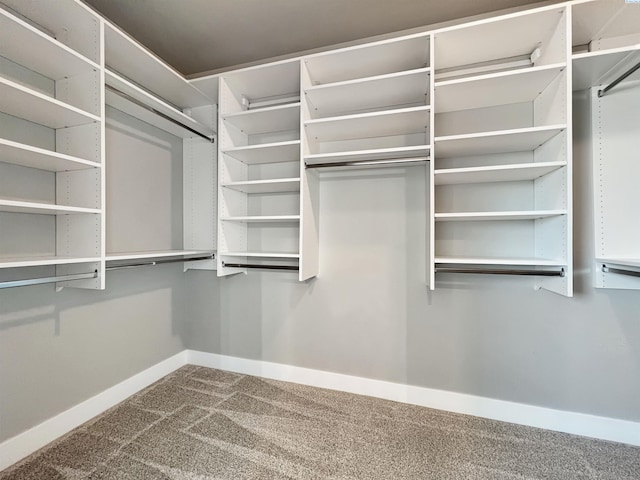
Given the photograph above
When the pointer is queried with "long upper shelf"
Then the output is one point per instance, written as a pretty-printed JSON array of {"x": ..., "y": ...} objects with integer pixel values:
[
  {"x": 592, "y": 69},
  {"x": 515, "y": 261},
  {"x": 34, "y": 157},
  {"x": 495, "y": 173},
  {"x": 41, "y": 261},
  {"x": 266, "y": 153},
  {"x": 16, "y": 206},
  {"x": 490, "y": 216},
  {"x": 370, "y": 155}
]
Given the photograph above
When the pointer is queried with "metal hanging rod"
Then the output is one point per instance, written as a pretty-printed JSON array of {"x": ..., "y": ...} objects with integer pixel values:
[
  {"x": 358, "y": 163},
  {"x": 159, "y": 262},
  {"x": 620, "y": 271},
  {"x": 157, "y": 112},
  {"x": 602, "y": 92},
  {"x": 497, "y": 271},
  {"x": 44, "y": 280},
  {"x": 258, "y": 266}
]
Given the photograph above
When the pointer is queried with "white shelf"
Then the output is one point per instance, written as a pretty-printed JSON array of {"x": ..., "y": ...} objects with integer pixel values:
[
  {"x": 42, "y": 208},
  {"x": 130, "y": 59},
  {"x": 34, "y": 157},
  {"x": 402, "y": 121},
  {"x": 625, "y": 262},
  {"x": 281, "y": 118},
  {"x": 394, "y": 89},
  {"x": 123, "y": 104},
  {"x": 40, "y": 261},
  {"x": 33, "y": 49},
  {"x": 503, "y": 141},
  {"x": 266, "y": 153},
  {"x": 373, "y": 154},
  {"x": 517, "y": 86},
  {"x": 491, "y": 216},
  {"x": 495, "y": 173},
  {"x": 259, "y": 254},
  {"x": 20, "y": 101},
  {"x": 266, "y": 186},
  {"x": 155, "y": 254},
  {"x": 592, "y": 69},
  {"x": 520, "y": 261},
  {"x": 263, "y": 219}
]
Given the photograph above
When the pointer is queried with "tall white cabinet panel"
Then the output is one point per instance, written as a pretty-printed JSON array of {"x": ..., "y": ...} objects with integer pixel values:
[
  {"x": 501, "y": 166},
  {"x": 52, "y": 139}
]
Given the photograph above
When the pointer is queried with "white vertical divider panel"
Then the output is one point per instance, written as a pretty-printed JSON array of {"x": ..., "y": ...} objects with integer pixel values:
[
  {"x": 309, "y": 247},
  {"x": 431, "y": 227}
]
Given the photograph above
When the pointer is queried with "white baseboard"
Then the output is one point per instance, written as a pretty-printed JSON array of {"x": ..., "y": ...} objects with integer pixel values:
[
  {"x": 561, "y": 421},
  {"x": 16, "y": 448},
  {"x": 26, "y": 443}
]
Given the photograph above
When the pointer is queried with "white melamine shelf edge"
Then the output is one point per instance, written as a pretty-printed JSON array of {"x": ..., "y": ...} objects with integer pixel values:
[
  {"x": 604, "y": 53},
  {"x": 15, "y": 206},
  {"x": 520, "y": 261},
  {"x": 261, "y": 146},
  {"x": 31, "y": 48},
  {"x": 358, "y": 116},
  {"x": 489, "y": 216},
  {"x": 395, "y": 151},
  {"x": 159, "y": 104},
  {"x": 21, "y": 262},
  {"x": 257, "y": 111},
  {"x": 513, "y": 172},
  {"x": 40, "y": 158},
  {"x": 277, "y": 185},
  {"x": 259, "y": 254},
  {"x": 154, "y": 254},
  {"x": 344, "y": 83},
  {"x": 509, "y": 73},
  {"x": 262, "y": 218},
  {"x": 627, "y": 262},
  {"x": 465, "y": 136}
]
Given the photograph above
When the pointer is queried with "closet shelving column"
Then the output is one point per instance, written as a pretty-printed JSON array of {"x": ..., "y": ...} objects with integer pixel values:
[
  {"x": 502, "y": 149},
  {"x": 51, "y": 139},
  {"x": 606, "y": 39},
  {"x": 141, "y": 85},
  {"x": 259, "y": 197}
]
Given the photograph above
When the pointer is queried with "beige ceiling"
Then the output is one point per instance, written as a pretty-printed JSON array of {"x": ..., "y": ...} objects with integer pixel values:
[{"x": 204, "y": 35}]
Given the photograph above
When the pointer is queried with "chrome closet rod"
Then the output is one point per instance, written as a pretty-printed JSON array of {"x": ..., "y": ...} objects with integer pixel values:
[
  {"x": 160, "y": 114},
  {"x": 356, "y": 163},
  {"x": 159, "y": 262},
  {"x": 602, "y": 92},
  {"x": 258, "y": 266},
  {"x": 497, "y": 271},
  {"x": 44, "y": 280},
  {"x": 620, "y": 271}
]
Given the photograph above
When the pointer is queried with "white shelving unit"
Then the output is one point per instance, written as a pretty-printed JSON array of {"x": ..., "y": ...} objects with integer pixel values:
[
  {"x": 501, "y": 166},
  {"x": 51, "y": 139}
]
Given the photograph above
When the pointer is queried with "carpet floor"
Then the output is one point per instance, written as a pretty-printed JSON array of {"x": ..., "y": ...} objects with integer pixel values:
[{"x": 200, "y": 423}]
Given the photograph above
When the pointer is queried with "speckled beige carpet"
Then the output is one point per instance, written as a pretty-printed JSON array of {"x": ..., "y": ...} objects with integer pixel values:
[{"x": 200, "y": 423}]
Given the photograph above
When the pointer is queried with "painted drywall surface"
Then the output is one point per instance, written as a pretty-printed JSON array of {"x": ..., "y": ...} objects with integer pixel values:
[{"x": 369, "y": 314}]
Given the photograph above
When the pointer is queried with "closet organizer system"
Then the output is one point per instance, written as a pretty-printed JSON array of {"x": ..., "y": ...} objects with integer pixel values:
[{"x": 482, "y": 109}]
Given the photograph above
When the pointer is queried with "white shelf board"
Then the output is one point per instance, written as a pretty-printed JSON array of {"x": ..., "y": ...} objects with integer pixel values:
[
  {"x": 626, "y": 262},
  {"x": 262, "y": 219},
  {"x": 490, "y": 216},
  {"x": 116, "y": 81},
  {"x": 593, "y": 69},
  {"x": 33, "y": 49},
  {"x": 266, "y": 120},
  {"x": 495, "y": 173},
  {"x": 402, "y": 121},
  {"x": 365, "y": 155},
  {"x": 42, "y": 208},
  {"x": 503, "y": 141},
  {"x": 385, "y": 56},
  {"x": 266, "y": 186},
  {"x": 127, "y": 57},
  {"x": 520, "y": 261},
  {"x": 266, "y": 153},
  {"x": 154, "y": 254},
  {"x": 34, "y": 157},
  {"x": 259, "y": 254},
  {"x": 41, "y": 261},
  {"x": 20, "y": 101},
  {"x": 515, "y": 86},
  {"x": 403, "y": 88}
]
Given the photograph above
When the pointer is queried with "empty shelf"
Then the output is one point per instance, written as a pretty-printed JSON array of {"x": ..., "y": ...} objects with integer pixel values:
[
  {"x": 502, "y": 88},
  {"x": 42, "y": 208},
  {"x": 155, "y": 254},
  {"x": 259, "y": 254},
  {"x": 488, "y": 216},
  {"x": 263, "y": 218},
  {"x": 266, "y": 186},
  {"x": 34, "y": 157},
  {"x": 592, "y": 69},
  {"x": 266, "y": 153},
  {"x": 266, "y": 120},
  {"x": 395, "y": 89},
  {"x": 40, "y": 261},
  {"x": 23, "y": 102},
  {"x": 495, "y": 173},
  {"x": 503, "y": 141},
  {"x": 402, "y": 121},
  {"x": 373, "y": 154},
  {"x": 520, "y": 261}
]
